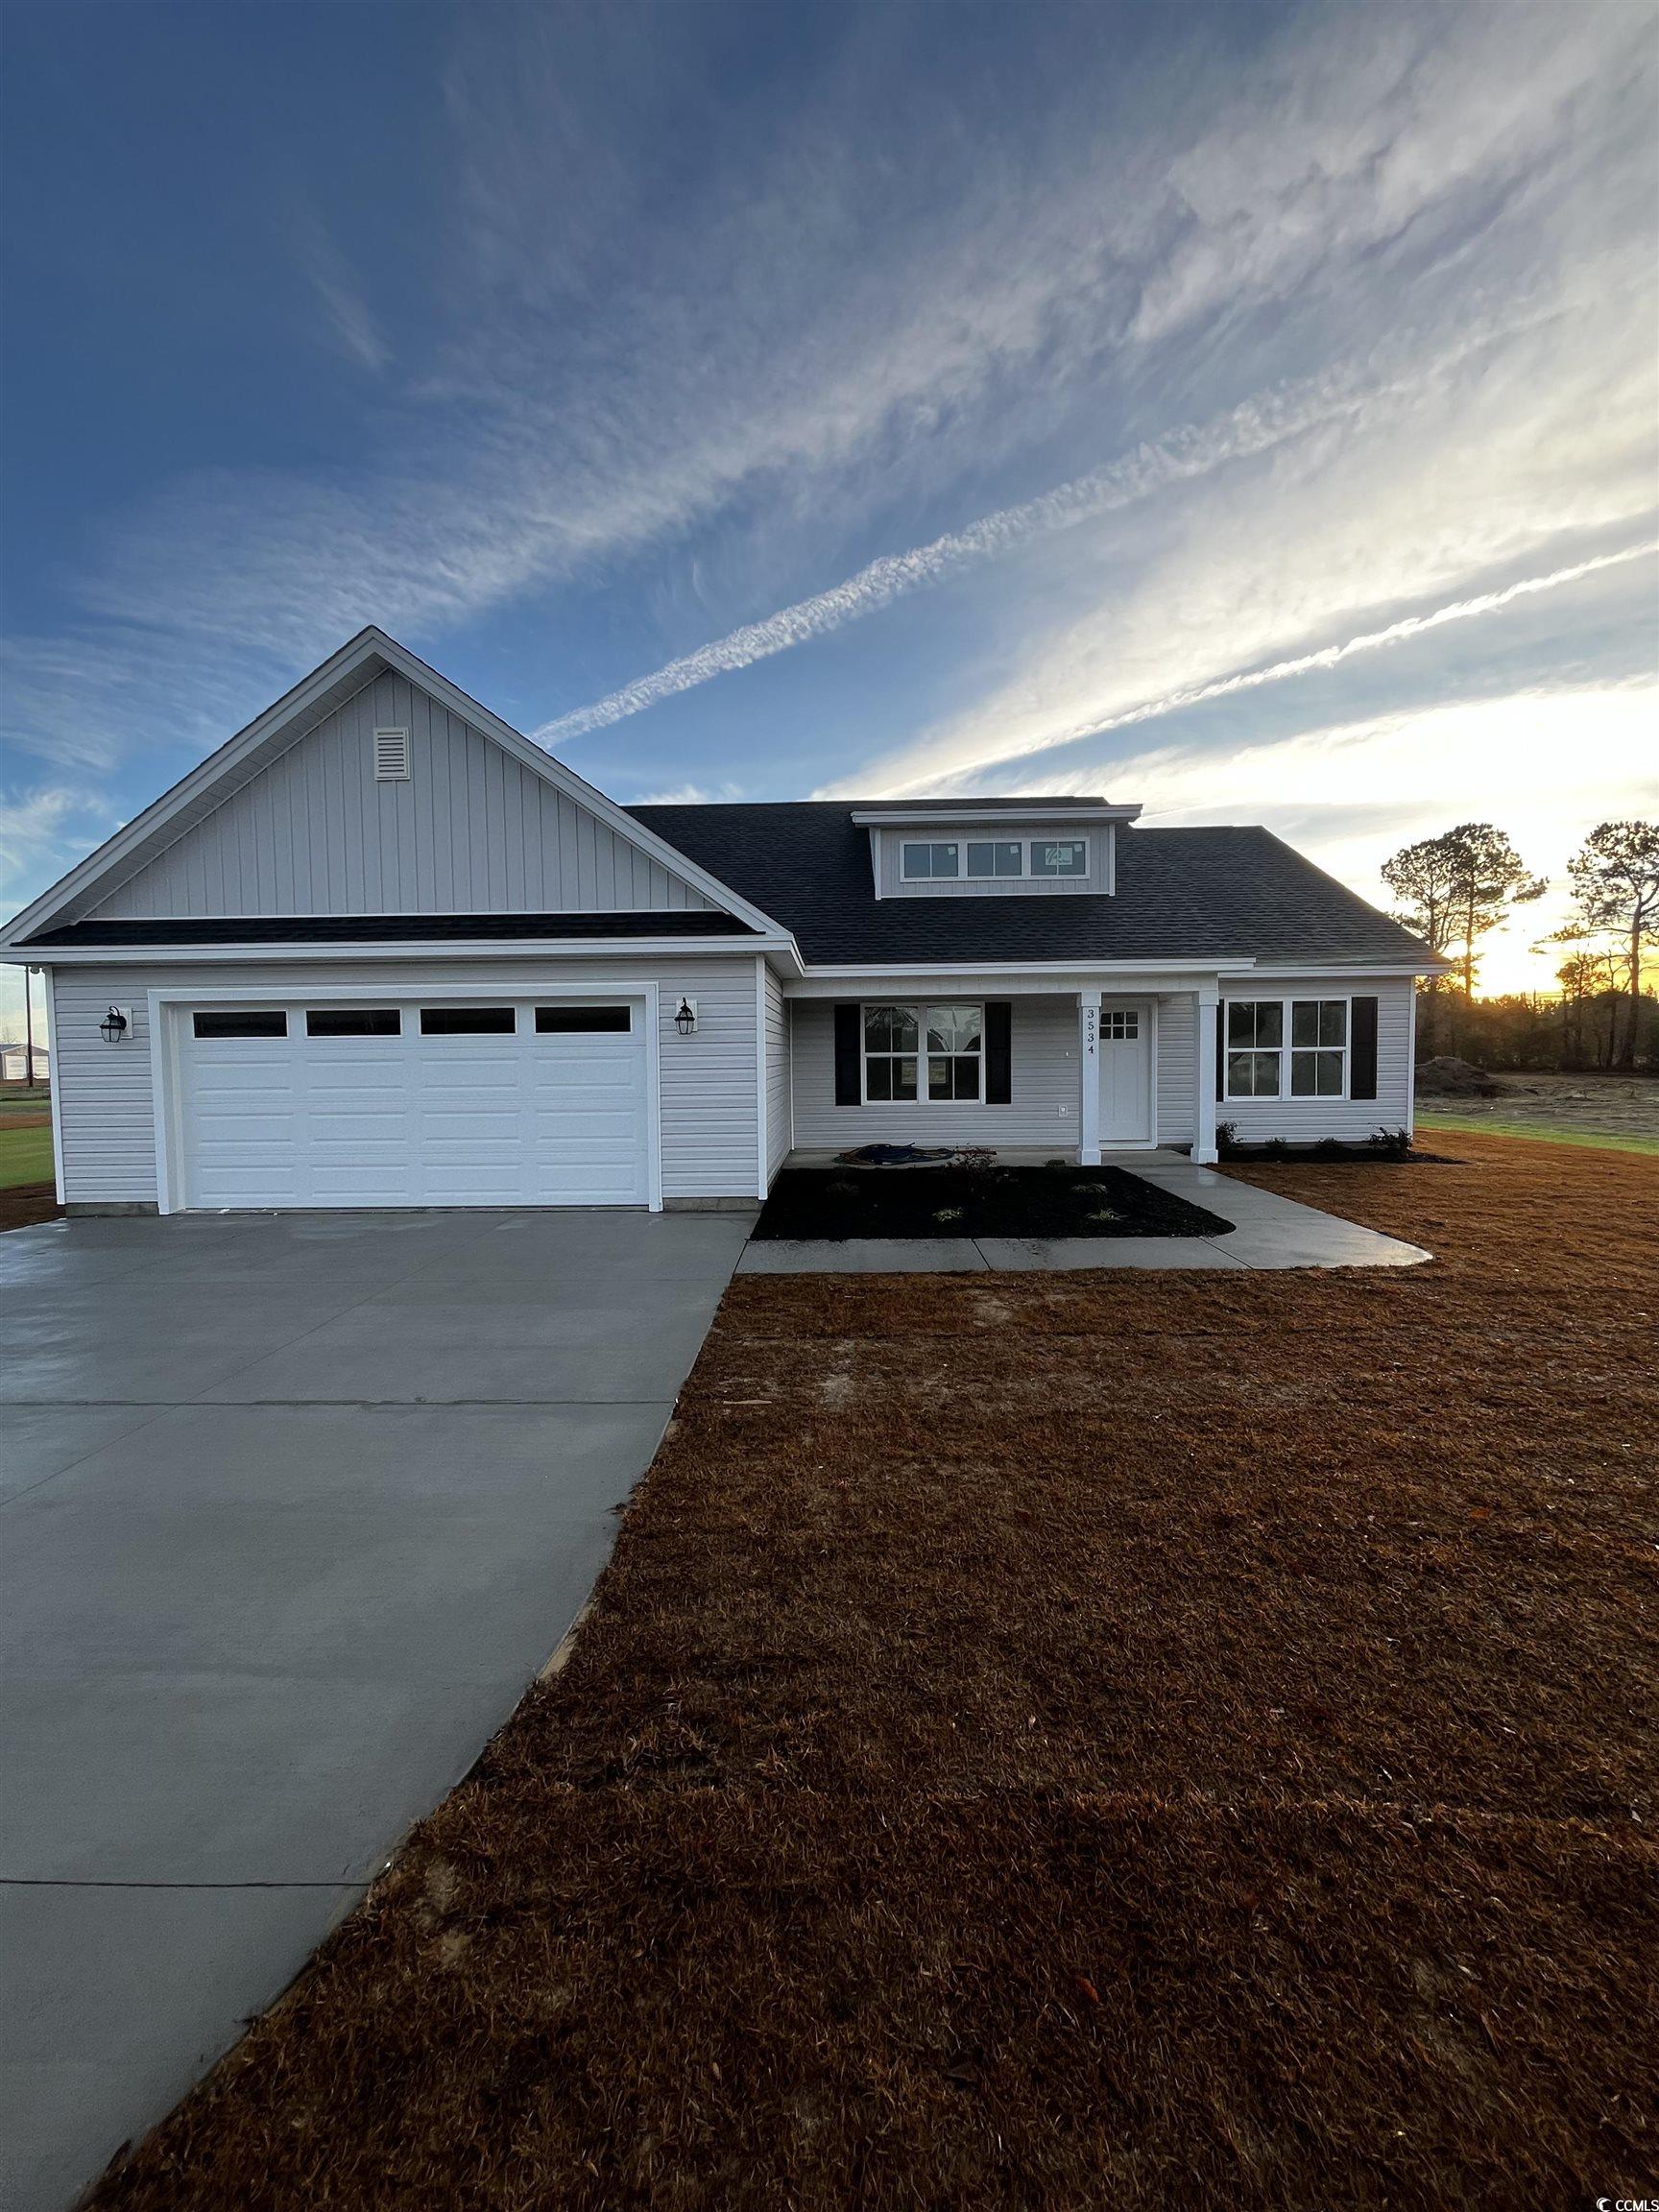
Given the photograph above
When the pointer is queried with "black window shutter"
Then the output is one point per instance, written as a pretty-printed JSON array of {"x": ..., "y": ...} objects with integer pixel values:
[
  {"x": 1362, "y": 1048},
  {"x": 849, "y": 1088},
  {"x": 998, "y": 1051},
  {"x": 1221, "y": 1050}
]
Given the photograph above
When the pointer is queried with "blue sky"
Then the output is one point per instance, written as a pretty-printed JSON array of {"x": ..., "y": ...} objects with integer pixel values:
[{"x": 1248, "y": 411}]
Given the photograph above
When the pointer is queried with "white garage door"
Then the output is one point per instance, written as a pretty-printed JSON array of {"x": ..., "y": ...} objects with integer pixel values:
[{"x": 382, "y": 1103}]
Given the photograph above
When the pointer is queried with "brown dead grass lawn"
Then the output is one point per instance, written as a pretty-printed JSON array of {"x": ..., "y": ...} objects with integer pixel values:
[
  {"x": 1133, "y": 1740},
  {"x": 23, "y": 1204}
]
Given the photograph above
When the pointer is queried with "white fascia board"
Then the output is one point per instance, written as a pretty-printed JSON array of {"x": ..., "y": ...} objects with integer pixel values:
[
  {"x": 1354, "y": 968},
  {"x": 1032, "y": 976},
  {"x": 411, "y": 949},
  {"x": 370, "y": 646},
  {"x": 961, "y": 813}
]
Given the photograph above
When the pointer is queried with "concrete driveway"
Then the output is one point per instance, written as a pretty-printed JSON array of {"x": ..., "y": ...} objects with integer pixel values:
[{"x": 291, "y": 1509}]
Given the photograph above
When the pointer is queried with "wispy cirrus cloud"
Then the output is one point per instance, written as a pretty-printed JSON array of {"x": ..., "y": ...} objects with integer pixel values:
[
  {"x": 806, "y": 331},
  {"x": 43, "y": 829},
  {"x": 1178, "y": 456},
  {"x": 1395, "y": 266},
  {"x": 353, "y": 323},
  {"x": 1322, "y": 657}
]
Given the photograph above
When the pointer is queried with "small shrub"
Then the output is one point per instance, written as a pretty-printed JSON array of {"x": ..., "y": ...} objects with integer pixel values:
[
  {"x": 1330, "y": 1148},
  {"x": 1391, "y": 1144},
  {"x": 1276, "y": 1148},
  {"x": 1226, "y": 1139}
]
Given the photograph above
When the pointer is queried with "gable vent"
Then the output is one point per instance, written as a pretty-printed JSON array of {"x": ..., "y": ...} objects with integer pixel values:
[{"x": 391, "y": 755}]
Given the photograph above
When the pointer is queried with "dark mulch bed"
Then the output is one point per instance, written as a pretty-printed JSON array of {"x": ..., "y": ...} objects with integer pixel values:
[
  {"x": 1058, "y": 1743},
  {"x": 1328, "y": 1153},
  {"x": 828, "y": 1205}
]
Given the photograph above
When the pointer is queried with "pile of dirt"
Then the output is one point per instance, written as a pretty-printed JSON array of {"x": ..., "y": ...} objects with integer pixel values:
[
  {"x": 1446, "y": 1076},
  {"x": 1058, "y": 1740}
]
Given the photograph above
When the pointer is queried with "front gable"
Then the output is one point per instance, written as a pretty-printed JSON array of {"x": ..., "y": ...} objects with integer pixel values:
[
  {"x": 376, "y": 787},
  {"x": 468, "y": 830}
]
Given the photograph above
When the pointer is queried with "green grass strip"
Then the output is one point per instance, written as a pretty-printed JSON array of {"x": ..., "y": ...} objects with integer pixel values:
[
  {"x": 25, "y": 1157},
  {"x": 1477, "y": 1125}
]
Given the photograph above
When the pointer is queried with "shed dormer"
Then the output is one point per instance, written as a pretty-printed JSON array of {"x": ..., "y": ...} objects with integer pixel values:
[{"x": 979, "y": 848}]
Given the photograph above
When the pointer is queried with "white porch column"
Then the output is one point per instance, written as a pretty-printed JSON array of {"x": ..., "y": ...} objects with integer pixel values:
[
  {"x": 1204, "y": 1141},
  {"x": 1089, "y": 1059}
]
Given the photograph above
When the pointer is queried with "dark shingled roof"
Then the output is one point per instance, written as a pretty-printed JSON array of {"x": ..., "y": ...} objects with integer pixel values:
[
  {"x": 394, "y": 928},
  {"x": 1182, "y": 895}
]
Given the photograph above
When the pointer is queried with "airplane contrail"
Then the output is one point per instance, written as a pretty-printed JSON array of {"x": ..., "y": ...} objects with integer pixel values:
[
  {"x": 1304, "y": 663},
  {"x": 1192, "y": 452}
]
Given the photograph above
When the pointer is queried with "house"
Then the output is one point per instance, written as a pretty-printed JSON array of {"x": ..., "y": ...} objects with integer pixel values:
[
  {"x": 380, "y": 950},
  {"x": 18, "y": 1065}
]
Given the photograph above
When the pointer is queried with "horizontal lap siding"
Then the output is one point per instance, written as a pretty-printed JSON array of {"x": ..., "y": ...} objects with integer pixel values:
[
  {"x": 471, "y": 830},
  {"x": 709, "y": 1135},
  {"x": 777, "y": 1100},
  {"x": 1301, "y": 1120},
  {"x": 104, "y": 1105},
  {"x": 1045, "y": 1072},
  {"x": 1177, "y": 1069}
]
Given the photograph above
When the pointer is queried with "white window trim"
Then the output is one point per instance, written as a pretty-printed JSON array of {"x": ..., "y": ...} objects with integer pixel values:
[
  {"x": 1079, "y": 875},
  {"x": 919, "y": 1007},
  {"x": 1284, "y": 1094},
  {"x": 1027, "y": 874}
]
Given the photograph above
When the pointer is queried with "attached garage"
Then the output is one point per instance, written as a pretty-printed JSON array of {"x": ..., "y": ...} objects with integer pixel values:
[{"x": 437, "y": 1101}]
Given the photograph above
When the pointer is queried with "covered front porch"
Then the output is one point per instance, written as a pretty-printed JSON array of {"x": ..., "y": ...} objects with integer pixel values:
[{"x": 1082, "y": 1070}]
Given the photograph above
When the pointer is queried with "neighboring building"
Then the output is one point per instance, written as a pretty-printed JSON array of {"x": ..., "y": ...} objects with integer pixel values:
[
  {"x": 14, "y": 1061},
  {"x": 380, "y": 950}
]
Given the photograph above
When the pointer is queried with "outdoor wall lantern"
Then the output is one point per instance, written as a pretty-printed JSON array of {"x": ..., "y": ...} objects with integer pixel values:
[
  {"x": 116, "y": 1024},
  {"x": 686, "y": 1017}
]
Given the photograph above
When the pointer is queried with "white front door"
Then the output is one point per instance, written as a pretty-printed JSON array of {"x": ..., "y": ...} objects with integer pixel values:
[{"x": 1125, "y": 1075}]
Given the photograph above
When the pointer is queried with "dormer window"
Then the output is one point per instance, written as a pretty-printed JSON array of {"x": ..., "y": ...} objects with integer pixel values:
[
  {"x": 930, "y": 862},
  {"x": 997, "y": 856},
  {"x": 993, "y": 859},
  {"x": 1068, "y": 856}
]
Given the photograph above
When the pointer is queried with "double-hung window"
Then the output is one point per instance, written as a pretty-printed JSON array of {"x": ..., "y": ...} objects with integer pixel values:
[
  {"x": 917, "y": 1053},
  {"x": 1255, "y": 1042},
  {"x": 1262, "y": 1034},
  {"x": 1318, "y": 1048}
]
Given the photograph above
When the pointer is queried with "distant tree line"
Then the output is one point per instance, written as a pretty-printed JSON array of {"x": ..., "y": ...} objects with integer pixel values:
[{"x": 1453, "y": 890}]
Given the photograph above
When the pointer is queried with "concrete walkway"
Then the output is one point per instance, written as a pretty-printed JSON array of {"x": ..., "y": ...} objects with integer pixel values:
[
  {"x": 1268, "y": 1232},
  {"x": 291, "y": 1510}
]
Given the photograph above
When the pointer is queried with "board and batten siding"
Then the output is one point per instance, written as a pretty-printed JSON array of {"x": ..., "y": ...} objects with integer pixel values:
[
  {"x": 1044, "y": 1059},
  {"x": 778, "y": 1113},
  {"x": 710, "y": 1136},
  {"x": 1304, "y": 1120},
  {"x": 891, "y": 861},
  {"x": 470, "y": 831}
]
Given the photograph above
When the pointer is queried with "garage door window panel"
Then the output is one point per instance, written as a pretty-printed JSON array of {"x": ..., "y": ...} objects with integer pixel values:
[
  {"x": 467, "y": 1020},
  {"x": 254, "y": 1022},
  {"x": 584, "y": 1021},
  {"x": 354, "y": 1021}
]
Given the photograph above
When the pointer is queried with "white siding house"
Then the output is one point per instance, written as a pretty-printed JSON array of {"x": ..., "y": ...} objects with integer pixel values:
[{"x": 381, "y": 949}]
